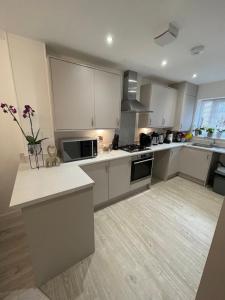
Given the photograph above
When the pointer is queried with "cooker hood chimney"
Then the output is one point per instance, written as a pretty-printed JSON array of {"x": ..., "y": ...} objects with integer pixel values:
[{"x": 130, "y": 103}]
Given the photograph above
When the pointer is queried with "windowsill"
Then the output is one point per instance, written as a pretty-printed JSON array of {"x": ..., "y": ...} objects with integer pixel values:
[
  {"x": 222, "y": 138},
  {"x": 212, "y": 140}
]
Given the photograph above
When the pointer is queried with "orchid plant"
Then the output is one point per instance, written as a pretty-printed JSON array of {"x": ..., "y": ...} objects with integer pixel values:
[{"x": 28, "y": 113}]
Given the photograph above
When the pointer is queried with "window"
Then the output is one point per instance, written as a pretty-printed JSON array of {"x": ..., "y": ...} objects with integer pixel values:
[{"x": 211, "y": 114}]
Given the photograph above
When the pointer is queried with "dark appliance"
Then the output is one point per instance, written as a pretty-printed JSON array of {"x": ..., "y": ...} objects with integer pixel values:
[
  {"x": 161, "y": 138},
  {"x": 177, "y": 137},
  {"x": 141, "y": 166},
  {"x": 169, "y": 137},
  {"x": 115, "y": 142},
  {"x": 133, "y": 148},
  {"x": 76, "y": 149},
  {"x": 219, "y": 179},
  {"x": 145, "y": 140},
  {"x": 155, "y": 138}
]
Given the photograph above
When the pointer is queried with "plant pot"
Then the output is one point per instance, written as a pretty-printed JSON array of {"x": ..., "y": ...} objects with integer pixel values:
[
  {"x": 210, "y": 135},
  {"x": 218, "y": 135},
  {"x": 197, "y": 132},
  {"x": 34, "y": 149},
  {"x": 36, "y": 157}
]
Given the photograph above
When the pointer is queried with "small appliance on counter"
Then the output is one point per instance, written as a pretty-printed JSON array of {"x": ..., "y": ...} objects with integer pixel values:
[
  {"x": 77, "y": 149},
  {"x": 178, "y": 136},
  {"x": 169, "y": 137},
  {"x": 161, "y": 138},
  {"x": 145, "y": 140},
  {"x": 155, "y": 138},
  {"x": 115, "y": 142}
]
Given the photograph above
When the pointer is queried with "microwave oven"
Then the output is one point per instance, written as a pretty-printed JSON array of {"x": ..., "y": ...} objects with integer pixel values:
[{"x": 77, "y": 149}]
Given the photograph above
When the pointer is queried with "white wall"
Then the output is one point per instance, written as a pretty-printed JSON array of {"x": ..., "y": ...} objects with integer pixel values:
[
  {"x": 29, "y": 64},
  {"x": 10, "y": 137},
  {"x": 211, "y": 90}
]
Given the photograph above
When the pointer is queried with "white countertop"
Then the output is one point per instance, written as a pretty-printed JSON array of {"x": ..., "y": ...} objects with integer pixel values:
[{"x": 32, "y": 186}]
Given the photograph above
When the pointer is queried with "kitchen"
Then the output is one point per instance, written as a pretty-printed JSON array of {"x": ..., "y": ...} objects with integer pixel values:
[{"x": 141, "y": 171}]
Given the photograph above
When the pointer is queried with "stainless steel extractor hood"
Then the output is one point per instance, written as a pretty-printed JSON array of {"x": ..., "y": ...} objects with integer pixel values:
[{"x": 129, "y": 102}]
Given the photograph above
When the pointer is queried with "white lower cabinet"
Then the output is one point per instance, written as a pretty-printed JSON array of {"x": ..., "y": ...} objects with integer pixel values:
[
  {"x": 174, "y": 158},
  {"x": 119, "y": 177},
  {"x": 99, "y": 173},
  {"x": 112, "y": 179},
  {"x": 195, "y": 163}
]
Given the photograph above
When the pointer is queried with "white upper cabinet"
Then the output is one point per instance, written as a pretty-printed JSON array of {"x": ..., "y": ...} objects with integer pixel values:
[
  {"x": 162, "y": 101},
  {"x": 186, "y": 103},
  {"x": 187, "y": 113},
  {"x": 83, "y": 97},
  {"x": 73, "y": 95},
  {"x": 107, "y": 91},
  {"x": 170, "y": 108}
]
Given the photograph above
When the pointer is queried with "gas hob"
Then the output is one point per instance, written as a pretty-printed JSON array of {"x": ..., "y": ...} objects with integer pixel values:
[{"x": 134, "y": 148}]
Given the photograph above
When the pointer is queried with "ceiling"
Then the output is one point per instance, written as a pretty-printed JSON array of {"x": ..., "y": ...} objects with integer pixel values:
[{"x": 82, "y": 25}]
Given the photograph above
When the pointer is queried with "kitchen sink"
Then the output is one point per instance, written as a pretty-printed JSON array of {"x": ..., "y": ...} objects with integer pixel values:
[{"x": 202, "y": 145}]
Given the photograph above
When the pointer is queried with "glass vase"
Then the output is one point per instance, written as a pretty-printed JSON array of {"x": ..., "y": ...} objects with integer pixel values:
[{"x": 36, "y": 157}]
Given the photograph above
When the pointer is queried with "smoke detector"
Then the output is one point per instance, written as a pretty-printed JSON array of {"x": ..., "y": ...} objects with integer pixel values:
[
  {"x": 197, "y": 50},
  {"x": 167, "y": 36}
]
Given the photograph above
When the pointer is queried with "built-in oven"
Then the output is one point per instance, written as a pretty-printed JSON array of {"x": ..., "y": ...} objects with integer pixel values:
[
  {"x": 141, "y": 166},
  {"x": 76, "y": 149}
]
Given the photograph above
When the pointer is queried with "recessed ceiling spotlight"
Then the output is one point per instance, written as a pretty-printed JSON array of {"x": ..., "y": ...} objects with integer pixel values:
[
  {"x": 197, "y": 50},
  {"x": 194, "y": 75},
  {"x": 109, "y": 39},
  {"x": 164, "y": 63}
]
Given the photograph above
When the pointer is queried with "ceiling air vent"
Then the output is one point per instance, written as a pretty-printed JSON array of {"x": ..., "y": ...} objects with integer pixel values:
[{"x": 167, "y": 36}]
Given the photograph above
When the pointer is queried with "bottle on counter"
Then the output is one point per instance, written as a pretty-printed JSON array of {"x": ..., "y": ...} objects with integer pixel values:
[{"x": 100, "y": 144}]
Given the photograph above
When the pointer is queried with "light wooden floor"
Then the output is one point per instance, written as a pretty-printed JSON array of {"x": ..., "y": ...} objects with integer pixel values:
[
  {"x": 15, "y": 263},
  {"x": 151, "y": 246}
]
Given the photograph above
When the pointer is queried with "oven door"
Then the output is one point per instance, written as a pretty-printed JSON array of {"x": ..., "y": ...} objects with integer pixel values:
[{"x": 141, "y": 169}]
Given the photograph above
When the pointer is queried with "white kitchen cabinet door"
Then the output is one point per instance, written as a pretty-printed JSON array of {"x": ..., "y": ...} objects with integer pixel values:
[
  {"x": 107, "y": 91},
  {"x": 170, "y": 108},
  {"x": 174, "y": 159},
  {"x": 195, "y": 163},
  {"x": 99, "y": 173},
  {"x": 119, "y": 177},
  {"x": 186, "y": 103},
  {"x": 162, "y": 101},
  {"x": 187, "y": 112},
  {"x": 157, "y": 105},
  {"x": 73, "y": 95}
]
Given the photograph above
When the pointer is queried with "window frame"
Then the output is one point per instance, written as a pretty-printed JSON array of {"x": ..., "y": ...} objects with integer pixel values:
[{"x": 197, "y": 117}]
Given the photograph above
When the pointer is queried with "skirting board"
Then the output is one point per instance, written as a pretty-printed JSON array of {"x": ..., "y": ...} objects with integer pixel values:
[{"x": 201, "y": 182}]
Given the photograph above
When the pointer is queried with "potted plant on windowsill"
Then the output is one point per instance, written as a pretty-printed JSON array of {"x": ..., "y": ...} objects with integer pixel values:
[
  {"x": 210, "y": 132},
  {"x": 219, "y": 132},
  {"x": 198, "y": 131},
  {"x": 33, "y": 142}
]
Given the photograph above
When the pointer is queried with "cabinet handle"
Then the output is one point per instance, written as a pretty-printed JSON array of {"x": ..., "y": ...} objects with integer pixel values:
[
  {"x": 107, "y": 168},
  {"x": 92, "y": 122},
  {"x": 118, "y": 122},
  {"x": 150, "y": 121},
  {"x": 181, "y": 126},
  {"x": 163, "y": 121}
]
